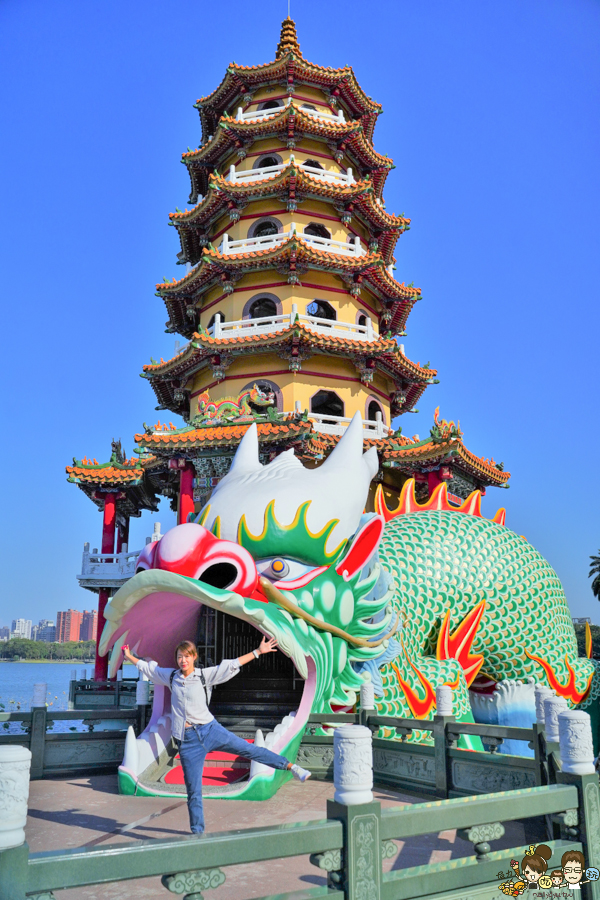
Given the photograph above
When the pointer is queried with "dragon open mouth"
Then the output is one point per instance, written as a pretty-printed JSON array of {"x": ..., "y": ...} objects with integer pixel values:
[{"x": 152, "y": 613}]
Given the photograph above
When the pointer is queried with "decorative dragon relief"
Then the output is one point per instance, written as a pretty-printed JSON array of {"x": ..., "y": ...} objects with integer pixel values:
[
  {"x": 408, "y": 598},
  {"x": 232, "y": 410}
]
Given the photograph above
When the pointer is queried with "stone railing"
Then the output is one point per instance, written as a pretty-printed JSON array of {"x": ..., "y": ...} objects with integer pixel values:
[
  {"x": 253, "y": 114},
  {"x": 271, "y": 324},
  {"x": 327, "y": 424},
  {"x": 350, "y": 847},
  {"x": 110, "y": 570},
  {"x": 269, "y": 241},
  {"x": 247, "y": 176}
]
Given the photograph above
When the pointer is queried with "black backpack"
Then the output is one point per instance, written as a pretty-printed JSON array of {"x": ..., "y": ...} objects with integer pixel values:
[{"x": 207, "y": 689}]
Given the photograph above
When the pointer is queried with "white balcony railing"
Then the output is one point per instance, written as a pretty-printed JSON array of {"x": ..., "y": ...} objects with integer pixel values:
[
  {"x": 268, "y": 241},
  {"x": 248, "y": 176},
  {"x": 110, "y": 570},
  {"x": 338, "y": 424},
  {"x": 250, "y": 114},
  {"x": 326, "y": 424},
  {"x": 271, "y": 324}
]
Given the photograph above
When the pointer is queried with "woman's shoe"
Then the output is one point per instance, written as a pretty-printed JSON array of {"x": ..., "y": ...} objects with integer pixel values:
[{"x": 300, "y": 773}]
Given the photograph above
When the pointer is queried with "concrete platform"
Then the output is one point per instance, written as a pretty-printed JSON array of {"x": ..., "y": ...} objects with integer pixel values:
[{"x": 89, "y": 811}]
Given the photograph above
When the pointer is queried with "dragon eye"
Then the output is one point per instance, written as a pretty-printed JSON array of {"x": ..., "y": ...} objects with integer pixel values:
[
  {"x": 276, "y": 568},
  {"x": 279, "y": 568}
]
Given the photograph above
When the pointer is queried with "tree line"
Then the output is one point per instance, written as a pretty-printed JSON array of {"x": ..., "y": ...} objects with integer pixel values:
[{"x": 26, "y": 649}]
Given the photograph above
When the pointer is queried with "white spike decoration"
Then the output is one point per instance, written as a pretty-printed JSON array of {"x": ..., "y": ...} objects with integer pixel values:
[{"x": 326, "y": 487}]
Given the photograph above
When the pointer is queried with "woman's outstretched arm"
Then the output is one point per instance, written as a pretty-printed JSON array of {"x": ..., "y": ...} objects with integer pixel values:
[
  {"x": 266, "y": 646},
  {"x": 129, "y": 655}
]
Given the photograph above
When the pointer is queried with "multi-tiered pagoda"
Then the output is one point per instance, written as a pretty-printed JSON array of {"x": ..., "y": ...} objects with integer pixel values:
[{"x": 289, "y": 304}]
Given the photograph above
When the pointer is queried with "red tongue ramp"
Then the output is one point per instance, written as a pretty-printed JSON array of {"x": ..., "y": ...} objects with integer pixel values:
[{"x": 216, "y": 769}]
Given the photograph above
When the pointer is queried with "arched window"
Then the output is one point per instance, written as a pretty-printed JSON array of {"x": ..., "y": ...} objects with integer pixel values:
[
  {"x": 313, "y": 163},
  {"x": 267, "y": 388},
  {"x": 362, "y": 319},
  {"x": 270, "y": 104},
  {"x": 272, "y": 159},
  {"x": 254, "y": 306},
  {"x": 265, "y": 227},
  {"x": 320, "y": 309},
  {"x": 308, "y": 106},
  {"x": 372, "y": 409},
  {"x": 327, "y": 403},
  {"x": 261, "y": 307},
  {"x": 317, "y": 230}
]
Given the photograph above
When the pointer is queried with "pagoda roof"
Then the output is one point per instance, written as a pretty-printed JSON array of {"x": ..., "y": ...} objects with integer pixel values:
[
  {"x": 125, "y": 478},
  {"x": 289, "y": 68},
  {"x": 223, "y": 195},
  {"x": 294, "y": 254},
  {"x": 291, "y": 124},
  {"x": 296, "y": 340},
  {"x": 413, "y": 455},
  {"x": 169, "y": 443}
]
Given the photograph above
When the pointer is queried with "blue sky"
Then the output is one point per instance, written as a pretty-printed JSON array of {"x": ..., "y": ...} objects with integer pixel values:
[{"x": 491, "y": 116}]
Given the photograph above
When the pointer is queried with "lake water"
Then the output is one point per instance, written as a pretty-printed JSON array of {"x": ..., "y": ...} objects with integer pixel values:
[{"x": 17, "y": 680}]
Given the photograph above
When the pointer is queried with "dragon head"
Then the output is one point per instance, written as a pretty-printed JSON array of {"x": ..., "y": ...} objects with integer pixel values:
[{"x": 287, "y": 550}]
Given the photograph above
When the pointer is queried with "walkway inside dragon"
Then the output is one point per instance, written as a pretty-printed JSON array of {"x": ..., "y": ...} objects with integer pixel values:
[{"x": 89, "y": 812}]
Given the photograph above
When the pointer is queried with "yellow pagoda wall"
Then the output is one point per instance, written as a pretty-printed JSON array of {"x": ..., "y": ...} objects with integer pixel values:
[{"x": 317, "y": 373}]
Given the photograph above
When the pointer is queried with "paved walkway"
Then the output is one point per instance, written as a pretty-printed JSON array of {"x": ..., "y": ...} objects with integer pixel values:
[{"x": 76, "y": 812}]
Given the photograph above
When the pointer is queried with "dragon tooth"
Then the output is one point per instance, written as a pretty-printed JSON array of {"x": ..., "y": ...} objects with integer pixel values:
[
  {"x": 115, "y": 656},
  {"x": 130, "y": 756},
  {"x": 259, "y": 738}
]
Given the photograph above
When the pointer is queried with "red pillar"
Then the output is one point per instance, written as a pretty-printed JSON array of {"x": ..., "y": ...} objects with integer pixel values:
[
  {"x": 108, "y": 546},
  {"x": 186, "y": 493},
  {"x": 433, "y": 479}
]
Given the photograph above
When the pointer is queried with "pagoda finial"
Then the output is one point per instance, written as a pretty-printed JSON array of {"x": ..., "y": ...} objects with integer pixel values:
[{"x": 288, "y": 40}]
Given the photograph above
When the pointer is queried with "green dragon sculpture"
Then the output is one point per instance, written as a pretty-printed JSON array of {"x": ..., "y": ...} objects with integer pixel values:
[
  {"x": 408, "y": 599},
  {"x": 231, "y": 409}
]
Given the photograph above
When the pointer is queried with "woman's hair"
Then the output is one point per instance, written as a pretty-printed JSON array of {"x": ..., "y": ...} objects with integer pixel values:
[
  {"x": 187, "y": 647},
  {"x": 539, "y": 861},
  {"x": 573, "y": 856}
]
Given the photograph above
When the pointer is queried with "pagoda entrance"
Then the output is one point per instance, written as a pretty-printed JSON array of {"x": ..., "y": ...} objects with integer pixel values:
[{"x": 264, "y": 691}]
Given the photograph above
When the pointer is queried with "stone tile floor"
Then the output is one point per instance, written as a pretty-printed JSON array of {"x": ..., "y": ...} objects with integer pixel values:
[{"x": 89, "y": 811}]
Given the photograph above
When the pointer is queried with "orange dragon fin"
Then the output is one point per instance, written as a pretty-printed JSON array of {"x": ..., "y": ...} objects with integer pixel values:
[{"x": 458, "y": 644}]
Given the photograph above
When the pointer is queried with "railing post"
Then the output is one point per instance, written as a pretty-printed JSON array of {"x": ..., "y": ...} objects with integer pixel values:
[
  {"x": 293, "y": 313},
  {"x": 225, "y": 244},
  {"x": 142, "y": 699},
  {"x": 443, "y": 717},
  {"x": 357, "y": 246},
  {"x": 367, "y": 701},
  {"x": 240, "y": 114},
  {"x": 217, "y": 327},
  {"x": 15, "y": 762},
  {"x": 37, "y": 737},
  {"x": 577, "y": 767},
  {"x": 379, "y": 420},
  {"x": 353, "y": 805},
  {"x": 369, "y": 329},
  {"x": 232, "y": 173}
]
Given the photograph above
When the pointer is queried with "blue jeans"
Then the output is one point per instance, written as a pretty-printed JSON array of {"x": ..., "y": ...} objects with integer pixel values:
[{"x": 200, "y": 740}]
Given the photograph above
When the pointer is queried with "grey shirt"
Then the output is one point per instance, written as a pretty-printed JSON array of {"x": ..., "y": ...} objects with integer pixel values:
[{"x": 188, "y": 697}]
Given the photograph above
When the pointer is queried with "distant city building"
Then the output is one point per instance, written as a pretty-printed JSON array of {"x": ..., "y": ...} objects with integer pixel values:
[
  {"x": 5, "y": 633},
  {"x": 89, "y": 625},
  {"x": 68, "y": 625},
  {"x": 581, "y": 621},
  {"x": 21, "y": 628},
  {"x": 46, "y": 631}
]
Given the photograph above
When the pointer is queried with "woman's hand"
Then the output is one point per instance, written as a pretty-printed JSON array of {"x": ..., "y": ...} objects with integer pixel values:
[
  {"x": 267, "y": 646},
  {"x": 127, "y": 654}
]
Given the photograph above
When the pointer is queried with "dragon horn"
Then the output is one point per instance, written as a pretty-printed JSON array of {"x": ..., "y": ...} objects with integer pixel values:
[{"x": 246, "y": 457}]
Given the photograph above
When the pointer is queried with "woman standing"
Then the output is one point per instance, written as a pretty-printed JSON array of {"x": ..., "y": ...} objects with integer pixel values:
[{"x": 194, "y": 728}]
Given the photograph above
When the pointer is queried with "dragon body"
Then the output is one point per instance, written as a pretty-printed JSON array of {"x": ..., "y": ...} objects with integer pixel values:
[
  {"x": 232, "y": 409},
  {"x": 408, "y": 599}
]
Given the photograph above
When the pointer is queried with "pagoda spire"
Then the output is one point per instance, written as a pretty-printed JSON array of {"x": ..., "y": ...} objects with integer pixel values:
[{"x": 288, "y": 40}]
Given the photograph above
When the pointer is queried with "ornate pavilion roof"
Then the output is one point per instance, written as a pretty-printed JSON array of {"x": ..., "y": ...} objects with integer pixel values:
[
  {"x": 293, "y": 341},
  {"x": 290, "y": 125},
  {"x": 289, "y": 67},
  {"x": 294, "y": 255},
  {"x": 295, "y": 183},
  {"x": 167, "y": 443},
  {"x": 119, "y": 475}
]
